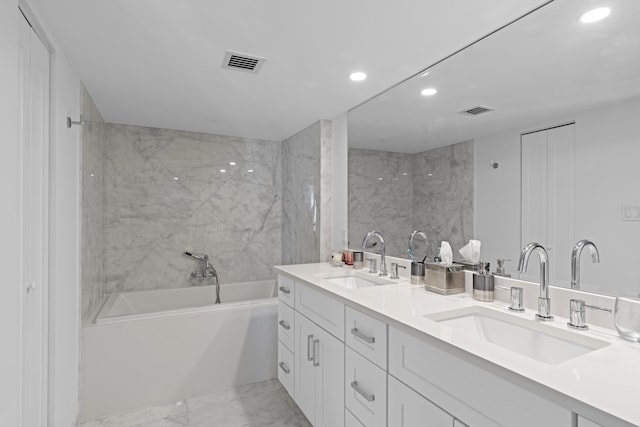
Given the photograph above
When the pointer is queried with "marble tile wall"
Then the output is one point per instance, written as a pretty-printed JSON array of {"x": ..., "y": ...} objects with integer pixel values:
[
  {"x": 301, "y": 194},
  {"x": 396, "y": 193},
  {"x": 443, "y": 190},
  {"x": 380, "y": 198},
  {"x": 166, "y": 192},
  {"x": 326, "y": 184},
  {"x": 93, "y": 207}
]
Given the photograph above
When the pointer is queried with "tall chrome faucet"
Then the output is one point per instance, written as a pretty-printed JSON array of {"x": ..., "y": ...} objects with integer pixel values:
[
  {"x": 575, "y": 260},
  {"x": 413, "y": 236},
  {"x": 544, "y": 303},
  {"x": 383, "y": 264}
]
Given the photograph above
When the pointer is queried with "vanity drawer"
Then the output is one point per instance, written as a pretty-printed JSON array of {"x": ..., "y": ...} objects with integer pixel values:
[
  {"x": 285, "y": 325},
  {"x": 286, "y": 290},
  {"x": 350, "y": 420},
  {"x": 285, "y": 369},
  {"x": 408, "y": 409},
  {"x": 367, "y": 336},
  {"x": 320, "y": 308},
  {"x": 440, "y": 372},
  {"x": 365, "y": 390}
]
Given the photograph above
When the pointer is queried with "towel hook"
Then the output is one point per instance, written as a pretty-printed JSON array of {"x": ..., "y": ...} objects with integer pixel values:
[{"x": 71, "y": 122}]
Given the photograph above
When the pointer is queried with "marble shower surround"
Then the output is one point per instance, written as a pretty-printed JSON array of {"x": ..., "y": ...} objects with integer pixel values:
[
  {"x": 165, "y": 193},
  {"x": 93, "y": 207},
  {"x": 435, "y": 196},
  {"x": 303, "y": 207}
]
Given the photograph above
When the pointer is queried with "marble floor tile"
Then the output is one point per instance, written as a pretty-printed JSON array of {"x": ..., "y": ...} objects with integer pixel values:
[{"x": 255, "y": 405}]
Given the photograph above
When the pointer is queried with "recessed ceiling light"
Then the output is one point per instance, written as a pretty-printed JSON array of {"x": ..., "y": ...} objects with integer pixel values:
[
  {"x": 405, "y": 174},
  {"x": 175, "y": 178},
  {"x": 232, "y": 163},
  {"x": 595, "y": 15},
  {"x": 380, "y": 179},
  {"x": 250, "y": 171},
  {"x": 358, "y": 76},
  {"x": 428, "y": 91},
  {"x": 223, "y": 170}
]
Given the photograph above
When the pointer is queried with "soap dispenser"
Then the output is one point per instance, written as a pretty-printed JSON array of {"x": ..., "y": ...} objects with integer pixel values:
[
  {"x": 500, "y": 270},
  {"x": 483, "y": 287}
]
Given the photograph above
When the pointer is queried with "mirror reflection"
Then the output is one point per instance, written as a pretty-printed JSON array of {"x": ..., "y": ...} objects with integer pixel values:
[{"x": 532, "y": 135}]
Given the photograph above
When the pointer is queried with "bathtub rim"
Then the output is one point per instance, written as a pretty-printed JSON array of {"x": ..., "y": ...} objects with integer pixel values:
[{"x": 253, "y": 303}]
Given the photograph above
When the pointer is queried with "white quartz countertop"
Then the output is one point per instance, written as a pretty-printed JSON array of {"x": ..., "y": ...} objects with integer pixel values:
[{"x": 607, "y": 379}]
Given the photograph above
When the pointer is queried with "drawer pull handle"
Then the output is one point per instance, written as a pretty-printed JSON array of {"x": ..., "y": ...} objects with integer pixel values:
[
  {"x": 316, "y": 356},
  {"x": 361, "y": 392},
  {"x": 284, "y": 324},
  {"x": 284, "y": 367},
  {"x": 309, "y": 356},
  {"x": 362, "y": 336},
  {"x": 284, "y": 290}
]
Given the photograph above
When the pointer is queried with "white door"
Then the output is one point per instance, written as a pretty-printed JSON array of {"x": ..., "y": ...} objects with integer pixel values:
[
  {"x": 305, "y": 377},
  {"x": 547, "y": 199},
  {"x": 34, "y": 138},
  {"x": 329, "y": 361}
]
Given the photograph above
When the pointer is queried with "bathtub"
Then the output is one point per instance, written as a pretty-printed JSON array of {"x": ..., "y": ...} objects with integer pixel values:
[{"x": 160, "y": 346}]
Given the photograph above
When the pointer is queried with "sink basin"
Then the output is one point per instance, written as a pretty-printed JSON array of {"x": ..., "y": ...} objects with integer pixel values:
[
  {"x": 527, "y": 337},
  {"x": 355, "y": 281}
]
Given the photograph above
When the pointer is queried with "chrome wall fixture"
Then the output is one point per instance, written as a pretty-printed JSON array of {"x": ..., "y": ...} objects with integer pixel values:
[{"x": 71, "y": 122}]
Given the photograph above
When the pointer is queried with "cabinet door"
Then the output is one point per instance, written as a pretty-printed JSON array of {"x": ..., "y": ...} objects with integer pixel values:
[
  {"x": 365, "y": 390},
  {"x": 408, "y": 409},
  {"x": 350, "y": 420},
  {"x": 329, "y": 361},
  {"x": 305, "y": 376}
]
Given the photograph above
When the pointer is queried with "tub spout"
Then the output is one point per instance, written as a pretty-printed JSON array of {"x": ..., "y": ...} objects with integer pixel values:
[{"x": 206, "y": 270}]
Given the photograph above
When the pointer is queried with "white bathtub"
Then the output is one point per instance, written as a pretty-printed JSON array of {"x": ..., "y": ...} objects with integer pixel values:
[{"x": 156, "y": 347}]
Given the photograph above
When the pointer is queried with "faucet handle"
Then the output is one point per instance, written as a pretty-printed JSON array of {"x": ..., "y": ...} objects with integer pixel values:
[
  {"x": 394, "y": 270},
  {"x": 373, "y": 265},
  {"x": 577, "y": 315}
]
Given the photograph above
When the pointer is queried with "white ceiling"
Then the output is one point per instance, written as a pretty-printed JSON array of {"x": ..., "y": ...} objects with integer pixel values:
[
  {"x": 541, "y": 70},
  {"x": 158, "y": 62}
]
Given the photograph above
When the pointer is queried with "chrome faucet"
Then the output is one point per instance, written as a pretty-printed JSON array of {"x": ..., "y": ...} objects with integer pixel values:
[
  {"x": 575, "y": 260},
  {"x": 206, "y": 270},
  {"x": 383, "y": 264},
  {"x": 544, "y": 303},
  {"x": 413, "y": 236}
]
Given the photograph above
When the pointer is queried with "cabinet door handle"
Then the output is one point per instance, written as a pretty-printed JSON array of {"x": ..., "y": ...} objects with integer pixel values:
[
  {"x": 284, "y": 324},
  {"x": 316, "y": 355},
  {"x": 361, "y": 392},
  {"x": 309, "y": 356},
  {"x": 284, "y": 290},
  {"x": 284, "y": 367},
  {"x": 362, "y": 336}
]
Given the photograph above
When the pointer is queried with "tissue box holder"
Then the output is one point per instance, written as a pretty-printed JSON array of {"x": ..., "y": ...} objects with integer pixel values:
[{"x": 444, "y": 279}]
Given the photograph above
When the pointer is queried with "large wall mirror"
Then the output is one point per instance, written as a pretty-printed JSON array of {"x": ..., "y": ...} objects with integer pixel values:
[{"x": 533, "y": 135}]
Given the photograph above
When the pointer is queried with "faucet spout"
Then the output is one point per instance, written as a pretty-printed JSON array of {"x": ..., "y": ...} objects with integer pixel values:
[
  {"x": 365, "y": 241},
  {"x": 544, "y": 302},
  {"x": 575, "y": 260},
  {"x": 413, "y": 236}
]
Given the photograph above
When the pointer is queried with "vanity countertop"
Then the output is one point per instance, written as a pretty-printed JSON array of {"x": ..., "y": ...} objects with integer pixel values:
[{"x": 606, "y": 380}]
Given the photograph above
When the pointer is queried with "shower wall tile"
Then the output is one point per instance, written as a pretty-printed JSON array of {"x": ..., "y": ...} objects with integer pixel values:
[
  {"x": 166, "y": 193},
  {"x": 380, "y": 198},
  {"x": 93, "y": 207},
  {"x": 326, "y": 183},
  {"x": 301, "y": 195},
  {"x": 397, "y": 193},
  {"x": 443, "y": 189}
]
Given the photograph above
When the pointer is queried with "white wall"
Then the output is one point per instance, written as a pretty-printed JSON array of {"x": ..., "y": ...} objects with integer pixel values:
[
  {"x": 607, "y": 177},
  {"x": 9, "y": 243},
  {"x": 64, "y": 326}
]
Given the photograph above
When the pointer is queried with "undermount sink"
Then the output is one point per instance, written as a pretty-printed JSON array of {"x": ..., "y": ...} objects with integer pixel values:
[
  {"x": 355, "y": 281},
  {"x": 527, "y": 337}
]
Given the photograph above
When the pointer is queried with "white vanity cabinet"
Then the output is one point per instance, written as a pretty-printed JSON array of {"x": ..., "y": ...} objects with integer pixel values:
[
  {"x": 583, "y": 422},
  {"x": 319, "y": 380},
  {"x": 408, "y": 409},
  {"x": 472, "y": 394},
  {"x": 286, "y": 333}
]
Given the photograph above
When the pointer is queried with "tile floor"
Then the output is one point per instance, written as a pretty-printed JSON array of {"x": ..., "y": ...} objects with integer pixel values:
[{"x": 265, "y": 403}]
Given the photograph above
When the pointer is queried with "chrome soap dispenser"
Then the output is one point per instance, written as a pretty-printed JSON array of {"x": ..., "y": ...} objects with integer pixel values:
[{"x": 483, "y": 287}]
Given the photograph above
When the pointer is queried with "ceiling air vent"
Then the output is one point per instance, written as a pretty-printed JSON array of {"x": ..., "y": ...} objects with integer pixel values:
[
  {"x": 242, "y": 62},
  {"x": 475, "y": 111}
]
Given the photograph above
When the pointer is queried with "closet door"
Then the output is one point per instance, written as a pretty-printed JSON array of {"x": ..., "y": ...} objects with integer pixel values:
[{"x": 33, "y": 60}]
